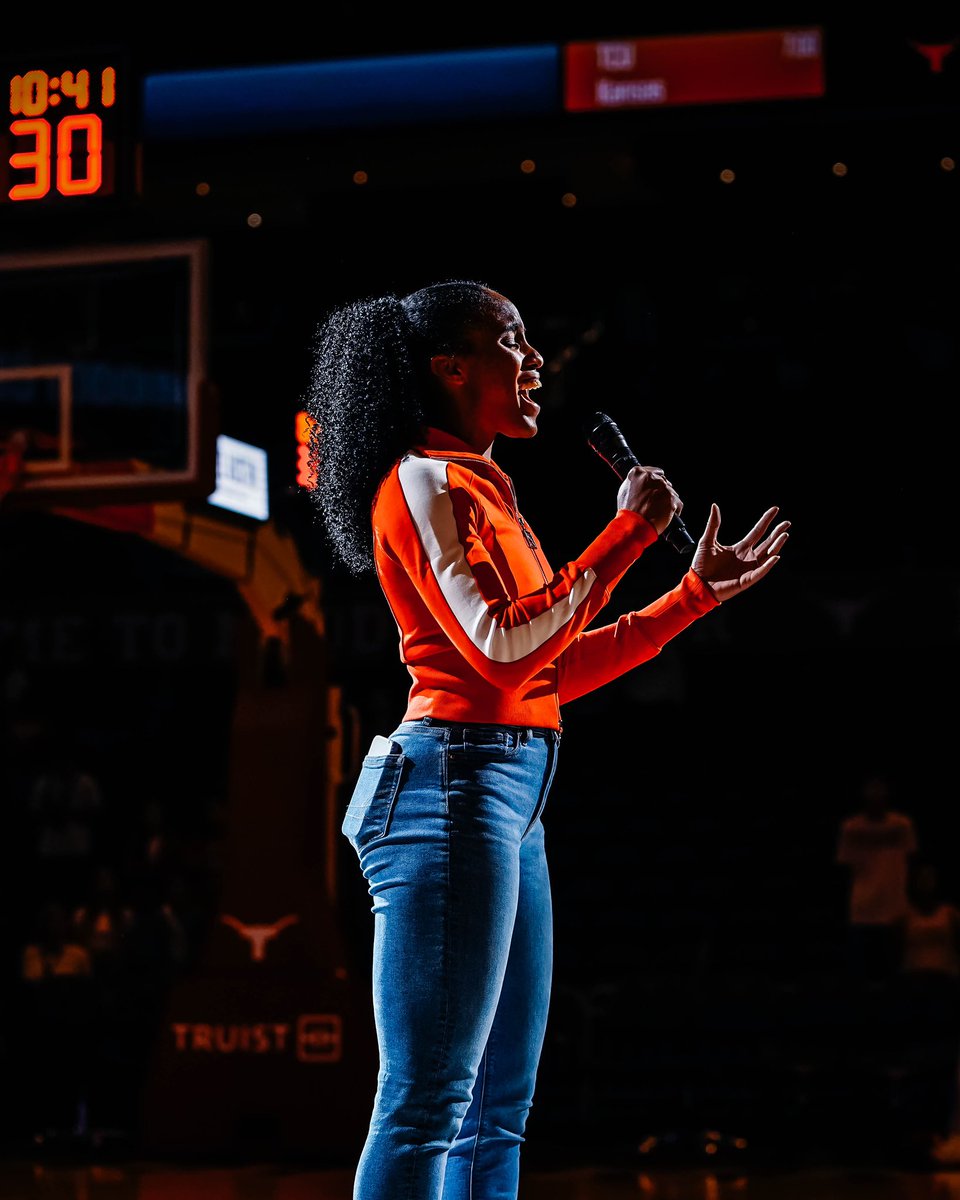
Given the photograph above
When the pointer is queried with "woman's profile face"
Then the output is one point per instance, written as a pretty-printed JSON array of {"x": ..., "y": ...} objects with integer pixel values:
[{"x": 491, "y": 381}]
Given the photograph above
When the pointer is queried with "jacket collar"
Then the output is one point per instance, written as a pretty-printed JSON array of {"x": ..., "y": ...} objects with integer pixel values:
[{"x": 440, "y": 442}]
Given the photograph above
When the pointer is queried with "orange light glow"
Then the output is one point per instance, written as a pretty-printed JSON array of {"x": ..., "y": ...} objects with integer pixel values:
[
  {"x": 36, "y": 160},
  {"x": 76, "y": 86},
  {"x": 306, "y": 475},
  {"x": 89, "y": 183},
  {"x": 304, "y": 425},
  {"x": 29, "y": 94}
]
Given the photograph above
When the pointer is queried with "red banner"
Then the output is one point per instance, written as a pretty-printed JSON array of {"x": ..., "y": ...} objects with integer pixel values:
[{"x": 713, "y": 68}]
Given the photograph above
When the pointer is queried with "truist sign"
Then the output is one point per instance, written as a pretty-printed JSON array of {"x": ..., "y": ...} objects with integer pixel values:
[
  {"x": 307, "y": 1037},
  {"x": 267, "y": 1049},
  {"x": 311, "y": 1038}
]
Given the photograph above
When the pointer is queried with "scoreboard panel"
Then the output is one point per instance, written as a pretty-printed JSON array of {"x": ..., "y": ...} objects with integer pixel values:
[{"x": 65, "y": 136}]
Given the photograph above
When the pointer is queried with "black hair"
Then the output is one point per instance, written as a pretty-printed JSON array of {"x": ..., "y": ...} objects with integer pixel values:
[{"x": 370, "y": 392}]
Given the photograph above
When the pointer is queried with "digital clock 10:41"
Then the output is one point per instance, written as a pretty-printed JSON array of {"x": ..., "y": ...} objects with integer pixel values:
[{"x": 59, "y": 138}]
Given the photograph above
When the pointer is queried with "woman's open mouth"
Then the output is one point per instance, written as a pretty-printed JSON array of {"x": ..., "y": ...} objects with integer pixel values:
[
  {"x": 527, "y": 403},
  {"x": 525, "y": 387}
]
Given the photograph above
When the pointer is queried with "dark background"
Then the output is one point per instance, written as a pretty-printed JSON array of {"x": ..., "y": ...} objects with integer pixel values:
[{"x": 789, "y": 339}]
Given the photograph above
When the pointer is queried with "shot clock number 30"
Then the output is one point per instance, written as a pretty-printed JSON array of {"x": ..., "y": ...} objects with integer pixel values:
[{"x": 60, "y": 135}]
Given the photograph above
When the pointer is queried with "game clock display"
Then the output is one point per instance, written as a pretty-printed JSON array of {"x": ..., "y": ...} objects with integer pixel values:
[{"x": 60, "y": 134}]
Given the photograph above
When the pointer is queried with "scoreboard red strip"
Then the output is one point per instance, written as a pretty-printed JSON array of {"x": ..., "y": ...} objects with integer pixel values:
[{"x": 712, "y": 68}]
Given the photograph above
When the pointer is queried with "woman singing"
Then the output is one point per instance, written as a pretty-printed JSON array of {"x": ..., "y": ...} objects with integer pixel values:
[{"x": 409, "y": 395}]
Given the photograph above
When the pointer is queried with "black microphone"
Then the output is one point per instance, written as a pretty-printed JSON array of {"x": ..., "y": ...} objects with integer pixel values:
[{"x": 604, "y": 437}]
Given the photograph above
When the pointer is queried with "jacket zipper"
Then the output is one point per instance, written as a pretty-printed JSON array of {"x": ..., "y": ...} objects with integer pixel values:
[
  {"x": 528, "y": 538},
  {"x": 525, "y": 530}
]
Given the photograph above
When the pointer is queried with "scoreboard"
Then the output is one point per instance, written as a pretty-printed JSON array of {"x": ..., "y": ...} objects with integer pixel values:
[
  {"x": 65, "y": 131},
  {"x": 75, "y": 124}
]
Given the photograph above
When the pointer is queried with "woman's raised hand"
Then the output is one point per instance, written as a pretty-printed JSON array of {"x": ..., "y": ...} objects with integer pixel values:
[{"x": 732, "y": 569}]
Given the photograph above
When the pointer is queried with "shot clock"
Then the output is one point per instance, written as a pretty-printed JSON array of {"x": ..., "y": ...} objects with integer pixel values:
[{"x": 63, "y": 131}]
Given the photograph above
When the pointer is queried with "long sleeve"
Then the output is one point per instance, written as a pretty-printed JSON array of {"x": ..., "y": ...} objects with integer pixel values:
[
  {"x": 599, "y": 655},
  {"x": 484, "y": 586}
]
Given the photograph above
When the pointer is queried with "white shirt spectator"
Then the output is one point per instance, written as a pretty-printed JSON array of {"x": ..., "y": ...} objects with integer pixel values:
[{"x": 877, "y": 850}]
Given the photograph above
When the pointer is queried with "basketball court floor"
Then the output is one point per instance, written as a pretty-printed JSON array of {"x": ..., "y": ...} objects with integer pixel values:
[{"x": 27, "y": 1180}]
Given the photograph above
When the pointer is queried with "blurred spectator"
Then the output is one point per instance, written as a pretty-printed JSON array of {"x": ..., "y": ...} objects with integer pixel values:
[
  {"x": 64, "y": 778},
  {"x": 154, "y": 948},
  {"x": 65, "y": 805},
  {"x": 190, "y": 920},
  {"x": 101, "y": 922},
  {"x": 930, "y": 929},
  {"x": 155, "y": 841},
  {"x": 50, "y": 953},
  {"x": 57, "y": 1021},
  {"x": 150, "y": 851},
  {"x": 930, "y": 999},
  {"x": 201, "y": 834},
  {"x": 155, "y": 945},
  {"x": 876, "y": 844}
]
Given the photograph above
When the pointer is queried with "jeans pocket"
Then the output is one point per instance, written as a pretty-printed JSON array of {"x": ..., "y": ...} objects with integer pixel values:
[{"x": 374, "y": 795}]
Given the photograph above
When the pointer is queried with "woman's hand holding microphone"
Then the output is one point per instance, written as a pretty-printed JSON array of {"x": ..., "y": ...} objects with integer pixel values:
[{"x": 727, "y": 570}]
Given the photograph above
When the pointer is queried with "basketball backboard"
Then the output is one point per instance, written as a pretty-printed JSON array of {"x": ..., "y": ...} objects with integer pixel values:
[{"x": 103, "y": 374}]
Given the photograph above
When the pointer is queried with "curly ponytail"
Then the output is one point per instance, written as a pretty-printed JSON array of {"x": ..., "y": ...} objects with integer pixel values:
[{"x": 369, "y": 394}]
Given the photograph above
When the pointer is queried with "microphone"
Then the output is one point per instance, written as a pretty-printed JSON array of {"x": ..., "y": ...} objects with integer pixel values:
[{"x": 605, "y": 439}]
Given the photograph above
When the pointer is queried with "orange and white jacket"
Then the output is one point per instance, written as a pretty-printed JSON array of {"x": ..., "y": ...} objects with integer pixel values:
[{"x": 488, "y": 630}]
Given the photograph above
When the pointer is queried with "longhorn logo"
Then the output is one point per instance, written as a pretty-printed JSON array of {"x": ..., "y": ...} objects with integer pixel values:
[
  {"x": 259, "y": 935},
  {"x": 934, "y": 52}
]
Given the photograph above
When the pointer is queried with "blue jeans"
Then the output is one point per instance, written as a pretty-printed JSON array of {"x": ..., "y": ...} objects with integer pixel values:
[{"x": 450, "y": 841}]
